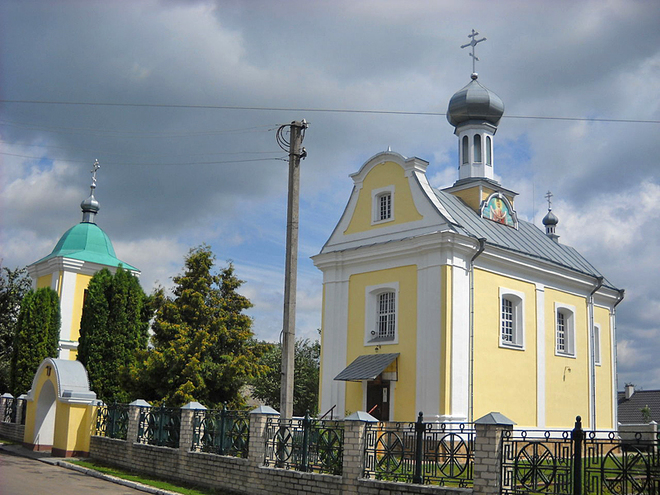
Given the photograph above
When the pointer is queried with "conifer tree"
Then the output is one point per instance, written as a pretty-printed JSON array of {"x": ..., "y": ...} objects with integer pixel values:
[
  {"x": 203, "y": 342},
  {"x": 37, "y": 336},
  {"x": 14, "y": 284},
  {"x": 113, "y": 327}
]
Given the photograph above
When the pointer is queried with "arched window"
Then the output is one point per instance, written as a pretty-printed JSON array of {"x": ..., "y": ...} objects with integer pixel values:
[
  {"x": 477, "y": 147},
  {"x": 512, "y": 330},
  {"x": 386, "y": 316},
  {"x": 565, "y": 333},
  {"x": 489, "y": 151},
  {"x": 381, "y": 319},
  {"x": 466, "y": 150}
]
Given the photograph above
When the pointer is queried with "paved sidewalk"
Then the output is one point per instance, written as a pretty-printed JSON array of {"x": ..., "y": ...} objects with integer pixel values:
[{"x": 19, "y": 476}]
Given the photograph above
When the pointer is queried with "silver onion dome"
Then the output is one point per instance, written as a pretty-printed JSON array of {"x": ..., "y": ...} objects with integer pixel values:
[{"x": 475, "y": 103}]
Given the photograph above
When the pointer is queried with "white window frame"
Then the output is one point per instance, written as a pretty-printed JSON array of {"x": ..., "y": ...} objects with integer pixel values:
[
  {"x": 569, "y": 330},
  {"x": 596, "y": 342},
  {"x": 517, "y": 299},
  {"x": 376, "y": 194},
  {"x": 372, "y": 294}
]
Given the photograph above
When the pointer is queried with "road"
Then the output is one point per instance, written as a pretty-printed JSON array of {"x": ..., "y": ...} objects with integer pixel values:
[{"x": 25, "y": 476}]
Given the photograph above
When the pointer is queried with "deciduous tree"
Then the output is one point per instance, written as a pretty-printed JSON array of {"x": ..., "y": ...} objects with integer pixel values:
[
  {"x": 37, "y": 336},
  {"x": 306, "y": 377},
  {"x": 14, "y": 284},
  {"x": 113, "y": 328}
]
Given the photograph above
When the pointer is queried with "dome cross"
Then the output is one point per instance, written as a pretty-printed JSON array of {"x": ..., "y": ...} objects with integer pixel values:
[{"x": 473, "y": 43}]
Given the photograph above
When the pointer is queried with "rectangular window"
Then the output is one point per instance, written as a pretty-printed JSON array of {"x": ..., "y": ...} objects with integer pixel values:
[
  {"x": 385, "y": 206},
  {"x": 597, "y": 345}
]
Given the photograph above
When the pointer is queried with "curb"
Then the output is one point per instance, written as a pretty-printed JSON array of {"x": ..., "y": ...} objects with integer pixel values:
[{"x": 113, "y": 479}]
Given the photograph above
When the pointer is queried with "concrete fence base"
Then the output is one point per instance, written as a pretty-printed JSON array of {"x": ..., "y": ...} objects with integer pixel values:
[{"x": 250, "y": 476}]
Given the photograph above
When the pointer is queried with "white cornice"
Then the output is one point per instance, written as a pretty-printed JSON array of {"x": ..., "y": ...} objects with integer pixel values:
[{"x": 63, "y": 264}]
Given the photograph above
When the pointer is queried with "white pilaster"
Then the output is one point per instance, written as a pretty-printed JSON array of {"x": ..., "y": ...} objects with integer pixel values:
[
  {"x": 540, "y": 355},
  {"x": 429, "y": 318},
  {"x": 460, "y": 343},
  {"x": 335, "y": 329}
]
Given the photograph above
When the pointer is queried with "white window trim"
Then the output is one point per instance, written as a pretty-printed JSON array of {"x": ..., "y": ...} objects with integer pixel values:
[
  {"x": 570, "y": 331},
  {"x": 375, "y": 204},
  {"x": 371, "y": 307},
  {"x": 518, "y": 300},
  {"x": 597, "y": 346}
]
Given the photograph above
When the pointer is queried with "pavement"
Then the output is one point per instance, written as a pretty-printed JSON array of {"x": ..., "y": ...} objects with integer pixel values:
[{"x": 51, "y": 479}]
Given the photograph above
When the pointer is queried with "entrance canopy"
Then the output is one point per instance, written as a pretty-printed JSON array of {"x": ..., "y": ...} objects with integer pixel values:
[{"x": 367, "y": 367}]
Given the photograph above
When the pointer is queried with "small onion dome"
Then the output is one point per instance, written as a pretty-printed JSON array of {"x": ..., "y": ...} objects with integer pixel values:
[
  {"x": 90, "y": 204},
  {"x": 550, "y": 219},
  {"x": 90, "y": 208},
  {"x": 475, "y": 102}
]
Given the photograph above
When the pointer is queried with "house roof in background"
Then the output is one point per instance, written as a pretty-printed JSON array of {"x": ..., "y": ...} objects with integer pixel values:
[{"x": 630, "y": 410}]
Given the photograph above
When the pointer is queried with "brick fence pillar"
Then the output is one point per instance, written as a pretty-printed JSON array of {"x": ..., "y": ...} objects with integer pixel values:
[
  {"x": 488, "y": 453},
  {"x": 257, "y": 444},
  {"x": 354, "y": 432},
  {"x": 186, "y": 434},
  {"x": 133, "y": 427}
]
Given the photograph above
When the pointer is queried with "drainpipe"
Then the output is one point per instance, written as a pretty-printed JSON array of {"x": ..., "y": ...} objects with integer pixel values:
[
  {"x": 592, "y": 334},
  {"x": 482, "y": 246},
  {"x": 622, "y": 293}
]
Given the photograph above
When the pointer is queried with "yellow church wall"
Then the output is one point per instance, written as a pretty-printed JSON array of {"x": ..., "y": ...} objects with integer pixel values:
[
  {"x": 604, "y": 376},
  {"x": 404, "y": 388},
  {"x": 383, "y": 175},
  {"x": 504, "y": 378},
  {"x": 471, "y": 197},
  {"x": 567, "y": 378},
  {"x": 44, "y": 281},
  {"x": 82, "y": 281}
]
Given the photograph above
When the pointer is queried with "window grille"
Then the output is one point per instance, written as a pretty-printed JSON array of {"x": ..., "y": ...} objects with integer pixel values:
[
  {"x": 385, "y": 206},
  {"x": 561, "y": 332},
  {"x": 386, "y": 316},
  {"x": 507, "y": 321}
]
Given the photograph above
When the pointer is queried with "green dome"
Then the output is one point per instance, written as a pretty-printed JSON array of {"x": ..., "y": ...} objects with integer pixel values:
[{"x": 87, "y": 242}]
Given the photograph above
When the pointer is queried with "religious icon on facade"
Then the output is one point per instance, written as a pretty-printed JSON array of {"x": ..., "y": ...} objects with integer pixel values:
[{"x": 498, "y": 209}]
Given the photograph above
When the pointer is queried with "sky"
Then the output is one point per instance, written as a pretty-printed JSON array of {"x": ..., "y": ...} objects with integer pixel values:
[{"x": 180, "y": 102}]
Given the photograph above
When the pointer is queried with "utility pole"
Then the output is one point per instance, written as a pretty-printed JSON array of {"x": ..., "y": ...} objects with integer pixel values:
[{"x": 296, "y": 153}]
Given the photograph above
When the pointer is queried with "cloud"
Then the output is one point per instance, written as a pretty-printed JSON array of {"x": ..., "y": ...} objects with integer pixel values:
[{"x": 175, "y": 177}]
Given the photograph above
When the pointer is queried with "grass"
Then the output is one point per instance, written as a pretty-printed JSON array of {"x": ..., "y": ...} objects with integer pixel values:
[{"x": 185, "y": 489}]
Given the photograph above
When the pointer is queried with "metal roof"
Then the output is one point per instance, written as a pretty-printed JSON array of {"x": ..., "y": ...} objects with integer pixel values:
[
  {"x": 528, "y": 239},
  {"x": 366, "y": 367},
  {"x": 87, "y": 242}
]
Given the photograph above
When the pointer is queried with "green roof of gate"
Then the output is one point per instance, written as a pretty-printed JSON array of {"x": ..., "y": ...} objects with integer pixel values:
[{"x": 87, "y": 242}]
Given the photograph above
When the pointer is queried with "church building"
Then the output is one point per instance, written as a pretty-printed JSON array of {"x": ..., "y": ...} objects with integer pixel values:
[
  {"x": 444, "y": 301},
  {"x": 82, "y": 251}
]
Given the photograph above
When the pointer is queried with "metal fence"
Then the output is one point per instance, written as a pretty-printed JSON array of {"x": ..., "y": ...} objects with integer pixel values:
[
  {"x": 578, "y": 462},
  {"x": 159, "y": 426},
  {"x": 305, "y": 444},
  {"x": 422, "y": 453},
  {"x": 221, "y": 432},
  {"x": 112, "y": 421}
]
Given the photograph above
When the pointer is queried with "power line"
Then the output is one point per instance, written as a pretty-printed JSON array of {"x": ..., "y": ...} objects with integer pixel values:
[
  {"x": 318, "y": 110},
  {"x": 165, "y": 164},
  {"x": 145, "y": 155},
  {"x": 135, "y": 134}
]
